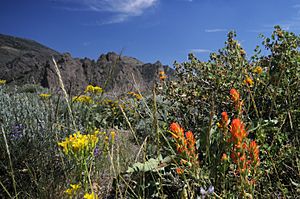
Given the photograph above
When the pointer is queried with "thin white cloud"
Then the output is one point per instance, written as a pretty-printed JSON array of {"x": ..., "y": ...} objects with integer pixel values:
[
  {"x": 130, "y": 7},
  {"x": 216, "y": 30},
  {"x": 200, "y": 50},
  {"x": 86, "y": 43},
  {"x": 292, "y": 24},
  {"x": 121, "y": 10},
  {"x": 114, "y": 19},
  {"x": 296, "y": 6}
]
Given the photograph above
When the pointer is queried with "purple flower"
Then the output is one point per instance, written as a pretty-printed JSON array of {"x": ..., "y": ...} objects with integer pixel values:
[
  {"x": 209, "y": 191},
  {"x": 96, "y": 151}
]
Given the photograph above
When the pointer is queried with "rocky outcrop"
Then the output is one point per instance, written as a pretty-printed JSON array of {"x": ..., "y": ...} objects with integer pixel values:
[{"x": 25, "y": 61}]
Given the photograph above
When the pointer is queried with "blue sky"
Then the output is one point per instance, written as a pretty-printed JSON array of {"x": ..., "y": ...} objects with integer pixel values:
[{"x": 150, "y": 30}]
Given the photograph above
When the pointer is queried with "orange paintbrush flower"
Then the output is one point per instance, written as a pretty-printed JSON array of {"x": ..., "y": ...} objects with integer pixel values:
[
  {"x": 235, "y": 96},
  {"x": 177, "y": 129},
  {"x": 238, "y": 132}
]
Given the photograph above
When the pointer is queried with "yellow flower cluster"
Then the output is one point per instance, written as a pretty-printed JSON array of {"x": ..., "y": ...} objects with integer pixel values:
[
  {"x": 248, "y": 81},
  {"x": 258, "y": 70},
  {"x": 83, "y": 99},
  {"x": 93, "y": 89},
  {"x": 73, "y": 189},
  {"x": 79, "y": 142},
  {"x": 45, "y": 96},
  {"x": 136, "y": 95},
  {"x": 90, "y": 196},
  {"x": 2, "y": 82}
]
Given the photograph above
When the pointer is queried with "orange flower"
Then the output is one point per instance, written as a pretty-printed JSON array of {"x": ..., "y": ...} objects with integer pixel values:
[
  {"x": 177, "y": 129},
  {"x": 191, "y": 141},
  {"x": 162, "y": 75},
  {"x": 190, "y": 137},
  {"x": 254, "y": 152},
  {"x": 225, "y": 119},
  {"x": 161, "y": 72},
  {"x": 235, "y": 96},
  {"x": 224, "y": 157},
  {"x": 238, "y": 132},
  {"x": 248, "y": 81},
  {"x": 179, "y": 171}
]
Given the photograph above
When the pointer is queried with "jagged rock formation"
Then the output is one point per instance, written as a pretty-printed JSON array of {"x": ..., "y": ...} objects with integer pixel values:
[{"x": 25, "y": 61}]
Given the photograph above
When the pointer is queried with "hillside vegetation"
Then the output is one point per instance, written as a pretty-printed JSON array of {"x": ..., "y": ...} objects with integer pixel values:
[{"x": 224, "y": 128}]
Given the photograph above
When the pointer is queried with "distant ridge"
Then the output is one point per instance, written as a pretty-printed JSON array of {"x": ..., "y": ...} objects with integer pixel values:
[{"x": 24, "y": 61}]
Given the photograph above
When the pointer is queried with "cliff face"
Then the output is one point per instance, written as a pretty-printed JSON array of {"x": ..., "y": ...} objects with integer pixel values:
[{"x": 25, "y": 61}]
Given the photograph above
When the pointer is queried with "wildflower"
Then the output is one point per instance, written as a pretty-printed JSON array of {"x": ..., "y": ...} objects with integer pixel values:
[
  {"x": 89, "y": 89},
  {"x": 254, "y": 152},
  {"x": 73, "y": 189},
  {"x": 90, "y": 196},
  {"x": 258, "y": 70},
  {"x": 235, "y": 96},
  {"x": 179, "y": 171},
  {"x": 136, "y": 95},
  {"x": 224, "y": 157},
  {"x": 44, "y": 96},
  {"x": 238, "y": 132},
  {"x": 248, "y": 81},
  {"x": 113, "y": 136},
  {"x": 75, "y": 186},
  {"x": 224, "y": 121},
  {"x": 64, "y": 145},
  {"x": 2, "y": 82},
  {"x": 83, "y": 99},
  {"x": 78, "y": 142},
  {"x": 177, "y": 129},
  {"x": 69, "y": 191},
  {"x": 190, "y": 140},
  {"x": 210, "y": 190},
  {"x": 162, "y": 75},
  {"x": 93, "y": 89},
  {"x": 190, "y": 137},
  {"x": 224, "y": 117}
]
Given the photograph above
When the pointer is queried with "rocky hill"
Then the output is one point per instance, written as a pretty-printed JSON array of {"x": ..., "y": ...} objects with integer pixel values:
[{"x": 24, "y": 61}]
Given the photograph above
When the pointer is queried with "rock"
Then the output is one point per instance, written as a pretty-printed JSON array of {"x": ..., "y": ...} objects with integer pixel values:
[{"x": 24, "y": 61}]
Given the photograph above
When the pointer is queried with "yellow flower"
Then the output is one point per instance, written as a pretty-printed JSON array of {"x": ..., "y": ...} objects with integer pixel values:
[
  {"x": 73, "y": 189},
  {"x": 258, "y": 70},
  {"x": 98, "y": 90},
  {"x": 44, "y": 96},
  {"x": 113, "y": 136},
  {"x": 90, "y": 196},
  {"x": 2, "y": 82},
  {"x": 78, "y": 142},
  {"x": 136, "y": 95},
  {"x": 89, "y": 89},
  {"x": 93, "y": 89},
  {"x": 83, "y": 99},
  {"x": 248, "y": 81},
  {"x": 64, "y": 145},
  {"x": 69, "y": 191}
]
